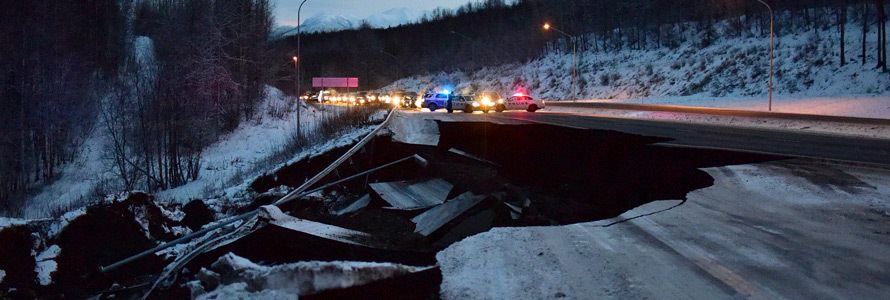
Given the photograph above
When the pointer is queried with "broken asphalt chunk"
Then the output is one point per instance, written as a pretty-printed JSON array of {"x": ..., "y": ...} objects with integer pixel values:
[
  {"x": 430, "y": 221},
  {"x": 325, "y": 231},
  {"x": 413, "y": 195},
  {"x": 355, "y": 206}
]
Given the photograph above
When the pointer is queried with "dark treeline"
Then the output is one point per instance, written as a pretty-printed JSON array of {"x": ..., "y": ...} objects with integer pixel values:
[
  {"x": 491, "y": 33},
  {"x": 208, "y": 74},
  {"x": 72, "y": 66},
  {"x": 53, "y": 55}
]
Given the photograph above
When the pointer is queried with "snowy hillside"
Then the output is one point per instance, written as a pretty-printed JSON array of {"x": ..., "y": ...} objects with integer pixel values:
[{"x": 731, "y": 68}]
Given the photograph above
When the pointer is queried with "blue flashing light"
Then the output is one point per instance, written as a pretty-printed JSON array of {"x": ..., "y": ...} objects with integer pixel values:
[{"x": 446, "y": 92}]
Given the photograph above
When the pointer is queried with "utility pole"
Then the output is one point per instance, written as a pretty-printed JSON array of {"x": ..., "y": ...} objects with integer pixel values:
[{"x": 297, "y": 70}]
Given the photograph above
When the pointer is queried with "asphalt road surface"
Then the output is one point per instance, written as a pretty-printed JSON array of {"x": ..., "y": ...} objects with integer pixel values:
[
  {"x": 788, "y": 229},
  {"x": 781, "y": 142},
  {"x": 796, "y": 229}
]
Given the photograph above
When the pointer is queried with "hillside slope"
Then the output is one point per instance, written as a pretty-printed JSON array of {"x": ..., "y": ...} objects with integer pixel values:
[{"x": 732, "y": 72}]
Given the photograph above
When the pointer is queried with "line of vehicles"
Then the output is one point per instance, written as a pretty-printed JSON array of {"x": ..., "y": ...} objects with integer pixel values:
[{"x": 432, "y": 100}]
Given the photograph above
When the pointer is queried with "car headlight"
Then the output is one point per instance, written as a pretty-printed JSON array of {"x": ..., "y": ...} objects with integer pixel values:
[{"x": 475, "y": 104}]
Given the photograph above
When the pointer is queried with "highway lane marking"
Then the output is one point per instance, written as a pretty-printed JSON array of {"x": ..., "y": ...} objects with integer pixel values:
[
  {"x": 542, "y": 122},
  {"x": 704, "y": 260}
]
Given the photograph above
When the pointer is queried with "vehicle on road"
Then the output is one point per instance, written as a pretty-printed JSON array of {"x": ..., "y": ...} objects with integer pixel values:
[
  {"x": 519, "y": 101},
  {"x": 326, "y": 96},
  {"x": 465, "y": 103},
  {"x": 409, "y": 100},
  {"x": 360, "y": 98},
  {"x": 402, "y": 98},
  {"x": 435, "y": 100},
  {"x": 374, "y": 97},
  {"x": 487, "y": 101}
]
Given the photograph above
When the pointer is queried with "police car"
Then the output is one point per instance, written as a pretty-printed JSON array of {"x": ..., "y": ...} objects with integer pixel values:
[
  {"x": 436, "y": 100},
  {"x": 519, "y": 101}
]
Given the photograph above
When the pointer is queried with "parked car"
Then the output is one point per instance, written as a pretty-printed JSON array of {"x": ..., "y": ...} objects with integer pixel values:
[{"x": 520, "y": 101}]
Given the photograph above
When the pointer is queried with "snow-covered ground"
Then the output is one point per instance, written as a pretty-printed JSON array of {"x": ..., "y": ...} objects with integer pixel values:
[
  {"x": 730, "y": 73},
  {"x": 228, "y": 163},
  {"x": 789, "y": 229},
  {"x": 245, "y": 152}
]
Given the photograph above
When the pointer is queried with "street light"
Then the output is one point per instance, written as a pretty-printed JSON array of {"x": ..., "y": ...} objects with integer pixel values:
[
  {"x": 547, "y": 26},
  {"x": 297, "y": 68},
  {"x": 771, "y": 38}
]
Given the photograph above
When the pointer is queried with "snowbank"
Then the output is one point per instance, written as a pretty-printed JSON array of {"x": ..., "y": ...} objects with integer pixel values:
[{"x": 869, "y": 130}]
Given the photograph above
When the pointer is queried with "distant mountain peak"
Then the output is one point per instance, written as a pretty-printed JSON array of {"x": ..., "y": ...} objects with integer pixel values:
[{"x": 325, "y": 22}]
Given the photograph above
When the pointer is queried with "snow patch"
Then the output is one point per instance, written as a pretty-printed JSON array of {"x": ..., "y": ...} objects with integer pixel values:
[
  {"x": 56, "y": 227},
  {"x": 243, "y": 154},
  {"x": 46, "y": 264},
  {"x": 8, "y": 222}
]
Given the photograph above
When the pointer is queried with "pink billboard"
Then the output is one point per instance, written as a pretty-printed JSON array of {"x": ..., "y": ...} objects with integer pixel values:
[{"x": 335, "y": 82}]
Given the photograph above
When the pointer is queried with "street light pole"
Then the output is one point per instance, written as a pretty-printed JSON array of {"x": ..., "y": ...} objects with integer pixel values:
[
  {"x": 297, "y": 93},
  {"x": 771, "y": 39},
  {"x": 297, "y": 69},
  {"x": 547, "y": 26}
]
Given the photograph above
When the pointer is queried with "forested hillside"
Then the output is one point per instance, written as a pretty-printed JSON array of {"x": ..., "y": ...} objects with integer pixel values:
[
  {"x": 54, "y": 57},
  {"x": 492, "y": 33},
  {"x": 161, "y": 78}
]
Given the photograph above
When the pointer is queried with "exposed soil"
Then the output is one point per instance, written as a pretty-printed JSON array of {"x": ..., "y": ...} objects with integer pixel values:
[
  {"x": 16, "y": 243},
  {"x": 197, "y": 214},
  {"x": 106, "y": 234}
]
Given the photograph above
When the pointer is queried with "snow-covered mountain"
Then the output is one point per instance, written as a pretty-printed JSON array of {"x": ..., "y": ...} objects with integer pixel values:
[
  {"x": 324, "y": 22},
  {"x": 392, "y": 17},
  {"x": 328, "y": 22}
]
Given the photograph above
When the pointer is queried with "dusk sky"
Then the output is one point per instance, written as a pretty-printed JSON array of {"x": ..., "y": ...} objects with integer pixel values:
[{"x": 286, "y": 10}]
